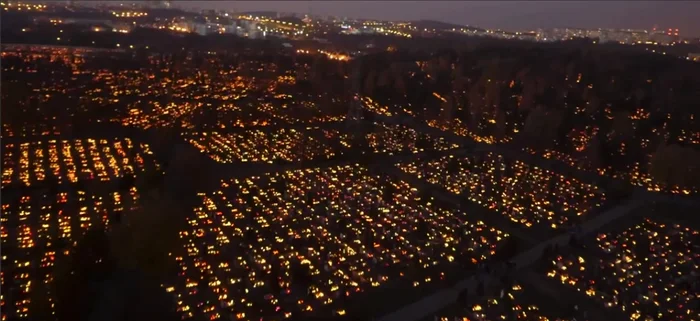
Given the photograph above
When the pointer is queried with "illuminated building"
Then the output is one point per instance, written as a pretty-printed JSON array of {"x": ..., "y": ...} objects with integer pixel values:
[
  {"x": 307, "y": 20},
  {"x": 660, "y": 37}
]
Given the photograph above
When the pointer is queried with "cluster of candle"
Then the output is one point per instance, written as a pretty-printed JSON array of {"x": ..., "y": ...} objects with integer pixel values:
[
  {"x": 398, "y": 138},
  {"x": 37, "y": 227},
  {"x": 263, "y": 248},
  {"x": 461, "y": 129},
  {"x": 650, "y": 271},
  {"x": 311, "y": 143},
  {"x": 30, "y": 131},
  {"x": 636, "y": 174},
  {"x": 73, "y": 160},
  {"x": 268, "y": 146},
  {"x": 157, "y": 115},
  {"x": 303, "y": 112},
  {"x": 553, "y": 154},
  {"x": 523, "y": 193},
  {"x": 376, "y": 107},
  {"x": 510, "y": 304},
  {"x": 189, "y": 96},
  {"x": 228, "y": 115}
]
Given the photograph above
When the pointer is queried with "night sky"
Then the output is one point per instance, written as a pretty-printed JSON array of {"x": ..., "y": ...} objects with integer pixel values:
[{"x": 515, "y": 15}]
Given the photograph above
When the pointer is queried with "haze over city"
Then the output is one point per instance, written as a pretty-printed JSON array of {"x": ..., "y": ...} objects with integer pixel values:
[{"x": 513, "y": 15}]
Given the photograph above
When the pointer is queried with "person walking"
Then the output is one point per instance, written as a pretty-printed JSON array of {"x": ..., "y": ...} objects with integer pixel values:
[
  {"x": 480, "y": 289},
  {"x": 463, "y": 296}
]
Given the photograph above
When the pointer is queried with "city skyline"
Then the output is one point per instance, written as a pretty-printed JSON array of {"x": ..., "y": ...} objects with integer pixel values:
[{"x": 507, "y": 15}]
